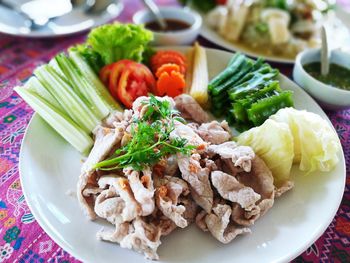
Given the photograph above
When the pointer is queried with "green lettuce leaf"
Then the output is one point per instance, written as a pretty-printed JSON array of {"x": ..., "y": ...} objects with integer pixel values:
[{"x": 118, "y": 41}]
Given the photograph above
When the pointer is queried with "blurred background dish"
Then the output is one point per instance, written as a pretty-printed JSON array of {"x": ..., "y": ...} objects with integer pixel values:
[
  {"x": 277, "y": 33},
  {"x": 42, "y": 18}
]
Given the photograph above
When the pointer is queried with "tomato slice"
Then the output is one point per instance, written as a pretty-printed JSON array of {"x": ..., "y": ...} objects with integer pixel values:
[
  {"x": 128, "y": 80},
  {"x": 105, "y": 72}
]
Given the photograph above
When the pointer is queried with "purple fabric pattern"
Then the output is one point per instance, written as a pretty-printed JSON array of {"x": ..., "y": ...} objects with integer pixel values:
[{"x": 21, "y": 238}]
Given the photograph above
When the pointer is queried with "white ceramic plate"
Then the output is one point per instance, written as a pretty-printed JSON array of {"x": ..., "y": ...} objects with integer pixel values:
[
  {"x": 49, "y": 167},
  {"x": 216, "y": 38},
  {"x": 76, "y": 21}
]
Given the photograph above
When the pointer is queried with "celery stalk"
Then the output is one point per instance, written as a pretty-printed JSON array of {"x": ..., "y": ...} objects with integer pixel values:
[
  {"x": 35, "y": 85},
  {"x": 94, "y": 80},
  {"x": 63, "y": 124},
  {"x": 82, "y": 86},
  {"x": 65, "y": 95}
]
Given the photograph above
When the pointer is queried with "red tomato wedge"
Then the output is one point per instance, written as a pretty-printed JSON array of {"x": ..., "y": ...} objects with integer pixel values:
[{"x": 127, "y": 80}]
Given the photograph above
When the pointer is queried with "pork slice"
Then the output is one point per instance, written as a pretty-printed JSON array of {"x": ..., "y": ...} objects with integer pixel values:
[
  {"x": 115, "y": 116},
  {"x": 91, "y": 190},
  {"x": 190, "y": 108},
  {"x": 241, "y": 156},
  {"x": 186, "y": 132},
  {"x": 244, "y": 217},
  {"x": 105, "y": 140},
  {"x": 144, "y": 239},
  {"x": 110, "y": 206},
  {"x": 132, "y": 208},
  {"x": 164, "y": 224},
  {"x": 261, "y": 181},
  {"x": 116, "y": 236},
  {"x": 142, "y": 188},
  {"x": 198, "y": 178},
  {"x": 171, "y": 167},
  {"x": 229, "y": 167},
  {"x": 230, "y": 189},
  {"x": 107, "y": 180},
  {"x": 285, "y": 187},
  {"x": 191, "y": 208},
  {"x": 122, "y": 187},
  {"x": 167, "y": 199},
  {"x": 200, "y": 220},
  {"x": 218, "y": 223},
  {"x": 210, "y": 164},
  {"x": 214, "y": 132},
  {"x": 259, "y": 178}
]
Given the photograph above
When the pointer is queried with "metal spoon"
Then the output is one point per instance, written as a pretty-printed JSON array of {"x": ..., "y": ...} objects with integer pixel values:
[
  {"x": 155, "y": 11},
  {"x": 325, "y": 52}
]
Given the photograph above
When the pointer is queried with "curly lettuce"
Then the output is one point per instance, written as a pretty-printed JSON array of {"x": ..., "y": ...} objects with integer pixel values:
[
  {"x": 112, "y": 42},
  {"x": 118, "y": 41}
]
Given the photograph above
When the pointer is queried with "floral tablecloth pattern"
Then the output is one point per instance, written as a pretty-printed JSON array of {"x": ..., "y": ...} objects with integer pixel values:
[{"x": 21, "y": 238}]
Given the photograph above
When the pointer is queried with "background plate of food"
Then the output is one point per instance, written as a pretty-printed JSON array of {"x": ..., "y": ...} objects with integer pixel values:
[
  {"x": 125, "y": 207},
  {"x": 275, "y": 30}
]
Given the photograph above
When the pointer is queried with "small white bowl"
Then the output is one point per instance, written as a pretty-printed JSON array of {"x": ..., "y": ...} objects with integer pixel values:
[
  {"x": 180, "y": 37},
  {"x": 328, "y": 96}
]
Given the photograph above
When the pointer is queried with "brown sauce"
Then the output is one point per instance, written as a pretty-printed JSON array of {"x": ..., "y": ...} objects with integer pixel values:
[{"x": 172, "y": 25}]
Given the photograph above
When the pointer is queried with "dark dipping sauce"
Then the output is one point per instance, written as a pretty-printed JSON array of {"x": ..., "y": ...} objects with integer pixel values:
[
  {"x": 338, "y": 76},
  {"x": 172, "y": 25}
]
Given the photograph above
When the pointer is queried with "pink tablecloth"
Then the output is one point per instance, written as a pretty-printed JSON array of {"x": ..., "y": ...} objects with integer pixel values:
[{"x": 21, "y": 238}]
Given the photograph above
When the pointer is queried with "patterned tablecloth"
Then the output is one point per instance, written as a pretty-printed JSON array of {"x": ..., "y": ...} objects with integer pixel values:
[{"x": 21, "y": 238}]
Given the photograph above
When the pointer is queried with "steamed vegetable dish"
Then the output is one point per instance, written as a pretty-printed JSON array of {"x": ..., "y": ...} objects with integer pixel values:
[
  {"x": 281, "y": 28},
  {"x": 157, "y": 160}
]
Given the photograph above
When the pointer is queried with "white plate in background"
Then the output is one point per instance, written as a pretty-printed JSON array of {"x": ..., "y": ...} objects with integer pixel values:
[{"x": 76, "y": 21}]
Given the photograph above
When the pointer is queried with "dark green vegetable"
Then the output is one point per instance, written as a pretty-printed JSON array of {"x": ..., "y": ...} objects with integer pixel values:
[
  {"x": 254, "y": 84},
  {"x": 242, "y": 69},
  {"x": 232, "y": 68},
  {"x": 247, "y": 92},
  {"x": 241, "y": 106},
  {"x": 263, "y": 109}
]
